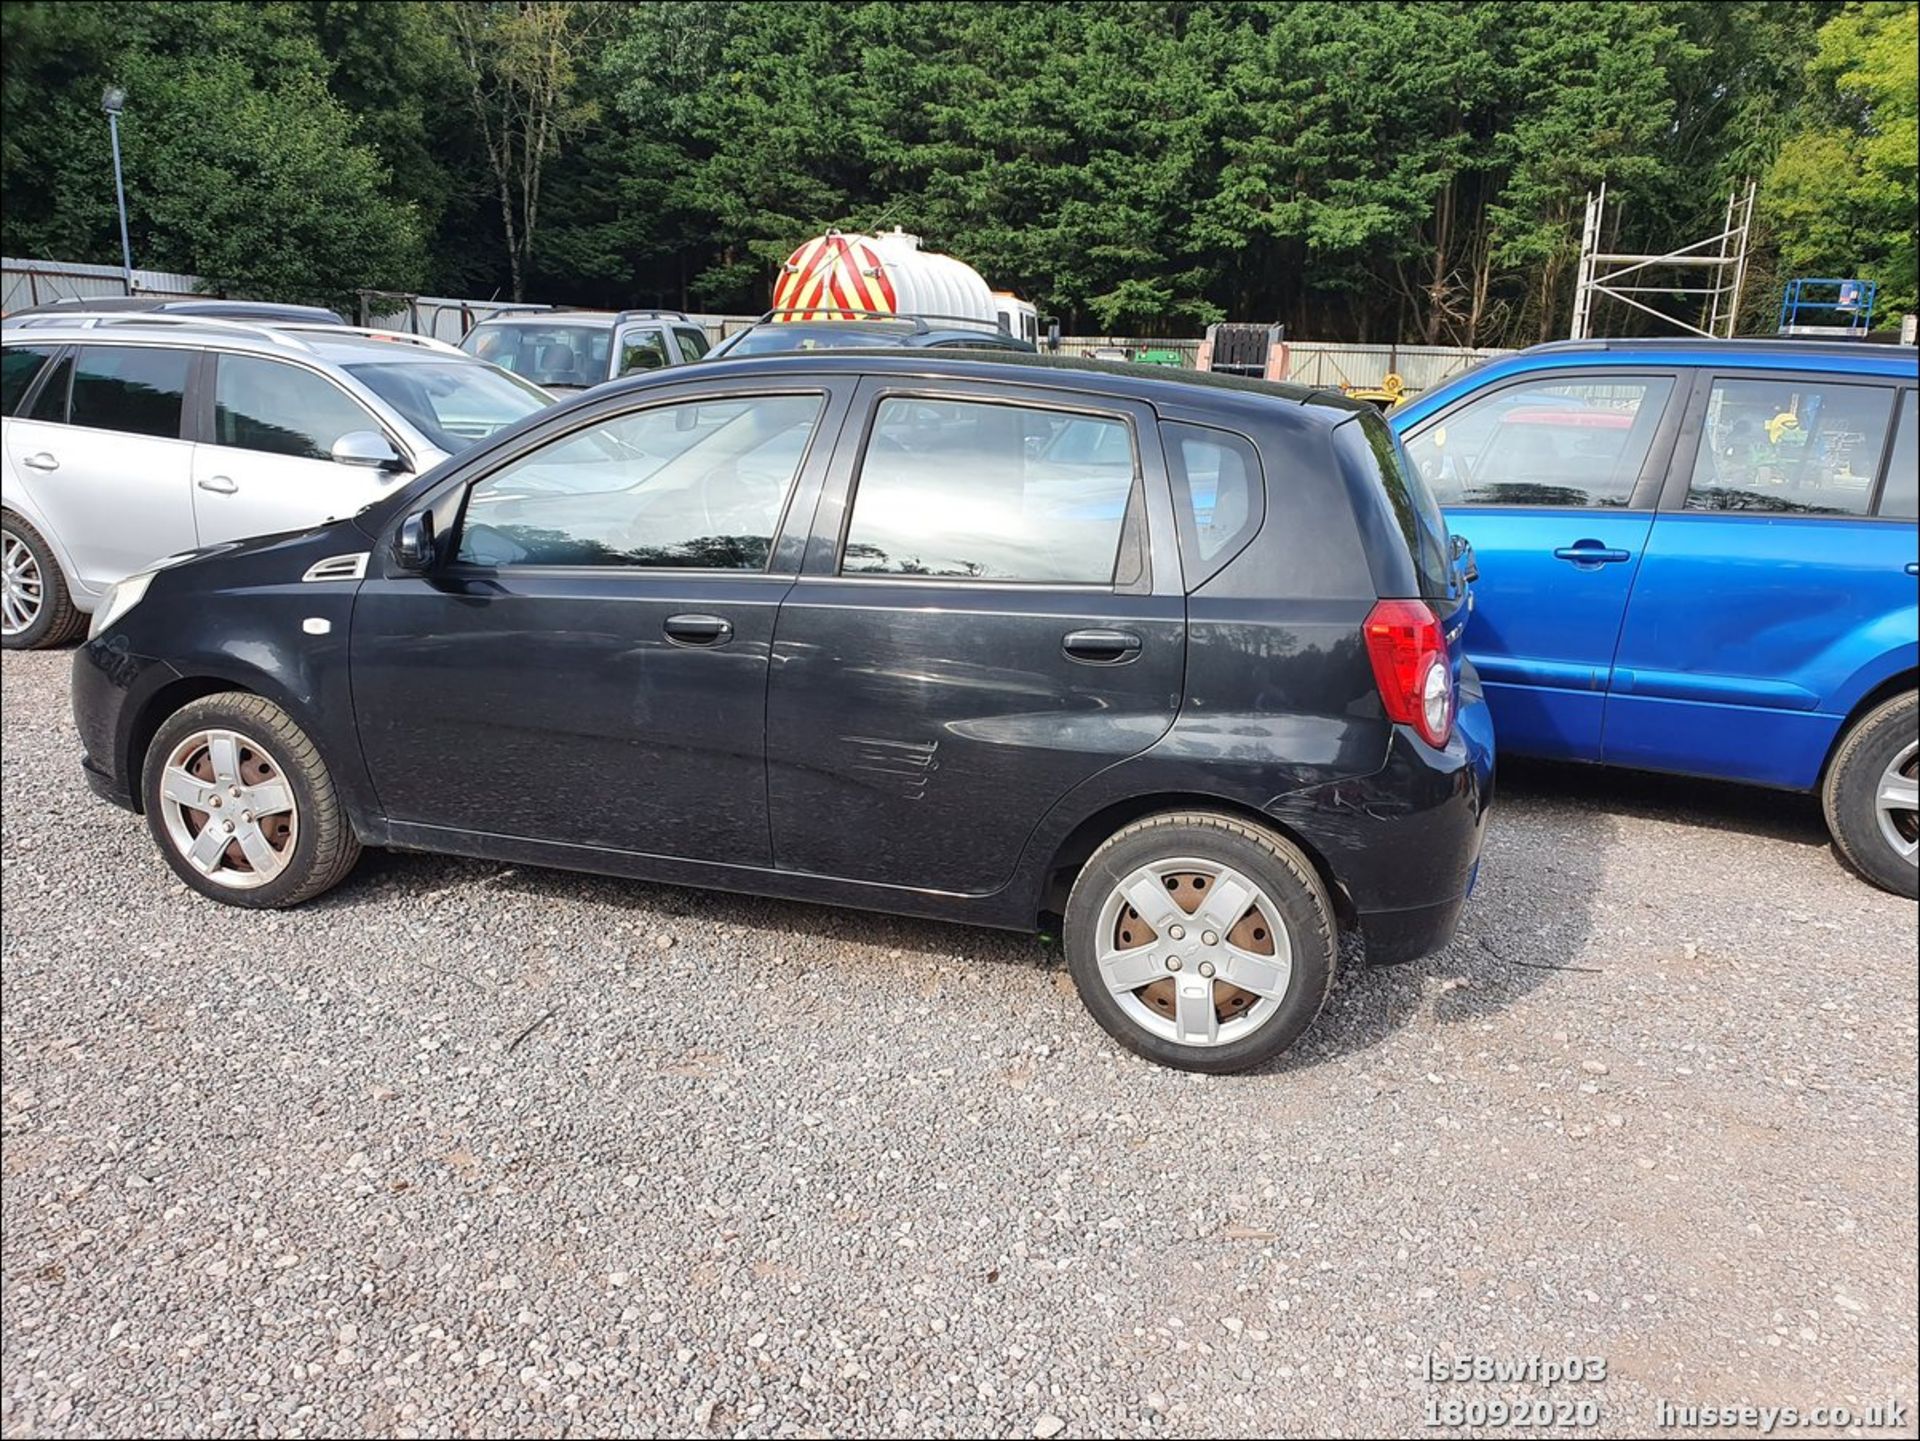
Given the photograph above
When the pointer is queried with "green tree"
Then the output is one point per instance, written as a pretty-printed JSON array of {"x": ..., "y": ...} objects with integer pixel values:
[
  {"x": 522, "y": 61},
  {"x": 1841, "y": 196},
  {"x": 262, "y": 192},
  {"x": 240, "y": 166}
]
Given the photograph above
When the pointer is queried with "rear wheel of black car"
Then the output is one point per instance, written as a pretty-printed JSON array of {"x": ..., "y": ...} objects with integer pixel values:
[
  {"x": 242, "y": 806},
  {"x": 35, "y": 609},
  {"x": 1201, "y": 941},
  {"x": 1872, "y": 796}
]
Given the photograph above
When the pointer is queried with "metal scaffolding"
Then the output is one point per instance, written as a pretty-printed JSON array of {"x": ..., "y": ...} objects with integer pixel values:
[{"x": 1722, "y": 256}]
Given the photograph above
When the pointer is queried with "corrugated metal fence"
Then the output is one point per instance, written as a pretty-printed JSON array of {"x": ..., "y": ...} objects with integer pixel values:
[
  {"x": 35, "y": 282},
  {"x": 1421, "y": 367},
  {"x": 1327, "y": 364}
]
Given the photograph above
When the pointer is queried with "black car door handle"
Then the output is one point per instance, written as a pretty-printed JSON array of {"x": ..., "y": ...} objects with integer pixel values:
[
  {"x": 1591, "y": 552},
  {"x": 1101, "y": 647},
  {"x": 698, "y": 630}
]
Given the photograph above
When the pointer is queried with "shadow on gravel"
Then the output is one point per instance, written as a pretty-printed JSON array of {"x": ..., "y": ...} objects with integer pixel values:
[
  {"x": 421, "y": 875},
  {"x": 1527, "y": 924},
  {"x": 1684, "y": 800}
]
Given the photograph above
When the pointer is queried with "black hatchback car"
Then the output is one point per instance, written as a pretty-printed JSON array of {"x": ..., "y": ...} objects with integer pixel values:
[{"x": 1170, "y": 662}]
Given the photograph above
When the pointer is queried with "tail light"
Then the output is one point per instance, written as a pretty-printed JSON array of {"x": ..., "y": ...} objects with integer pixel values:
[{"x": 1411, "y": 666}]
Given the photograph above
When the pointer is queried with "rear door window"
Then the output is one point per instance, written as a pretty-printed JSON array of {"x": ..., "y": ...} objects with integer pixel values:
[
  {"x": 971, "y": 490},
  {"x": 51, "y": 403},
  {"x": 137, "y": 390},
  {"x": 693, "y": 341},
  {"x": 642, "y": 350},
  {"x": 1789, "y": 445},
  {"x": 1575, "y": 441},
  {"x": 19, "y": 364}
]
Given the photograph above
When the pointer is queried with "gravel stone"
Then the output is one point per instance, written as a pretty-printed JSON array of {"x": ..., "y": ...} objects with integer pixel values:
[{"x": 281, "y": 1174}]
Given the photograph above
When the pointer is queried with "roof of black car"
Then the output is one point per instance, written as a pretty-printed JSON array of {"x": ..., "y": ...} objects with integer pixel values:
[{"x": 1135, "y": 382}]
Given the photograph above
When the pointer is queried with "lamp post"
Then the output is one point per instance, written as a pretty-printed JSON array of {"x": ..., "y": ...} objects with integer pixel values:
[{"x": 111, "y": 101}]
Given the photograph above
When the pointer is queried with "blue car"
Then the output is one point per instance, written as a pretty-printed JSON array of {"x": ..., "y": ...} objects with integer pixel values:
[{"x": 1697, "y": 557}]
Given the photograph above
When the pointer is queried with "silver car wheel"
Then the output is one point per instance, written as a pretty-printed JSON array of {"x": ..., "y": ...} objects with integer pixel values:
[
  {"x": 1194, "y": 952},
  {"x": 22, "y": 588},
  {"x": 228, "y": 809},
  {"x": 1897, "y": 804}
]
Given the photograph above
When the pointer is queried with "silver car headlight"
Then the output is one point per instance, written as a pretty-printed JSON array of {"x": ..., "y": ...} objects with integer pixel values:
[{"x": 122, "y": 597}]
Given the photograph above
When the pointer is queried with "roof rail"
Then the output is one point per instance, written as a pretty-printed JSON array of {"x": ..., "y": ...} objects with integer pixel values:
[
  {"x": 94, "y": 320},
  {"x": 404, "y": 337},
  {"x": 622, "y": 316}
]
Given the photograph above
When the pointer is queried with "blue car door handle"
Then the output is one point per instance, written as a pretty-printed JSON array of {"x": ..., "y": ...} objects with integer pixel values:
[{"x": 1591, "y": 552}]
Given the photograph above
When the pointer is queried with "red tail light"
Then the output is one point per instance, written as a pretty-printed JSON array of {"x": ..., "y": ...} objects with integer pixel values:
[{"x": 1410, "y": 664}]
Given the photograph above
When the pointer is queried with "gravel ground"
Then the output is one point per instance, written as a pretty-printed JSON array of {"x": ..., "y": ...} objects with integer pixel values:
[{"x": 511, "y": 1152}]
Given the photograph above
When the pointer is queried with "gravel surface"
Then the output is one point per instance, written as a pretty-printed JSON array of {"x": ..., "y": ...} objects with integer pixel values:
[{"x": 468, "y": 1148}]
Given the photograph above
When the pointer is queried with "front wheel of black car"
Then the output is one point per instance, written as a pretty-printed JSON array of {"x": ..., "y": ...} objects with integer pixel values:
[
  {"x": 242, "y": 806},
  {"x": 1200, "y": 941},
  {"x": 1872, "y": 796}
]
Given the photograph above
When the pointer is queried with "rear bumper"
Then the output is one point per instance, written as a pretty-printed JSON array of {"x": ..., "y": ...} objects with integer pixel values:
[
  {"x": 1404, "y": 843},
  {"x": 1396, "y": 936}
]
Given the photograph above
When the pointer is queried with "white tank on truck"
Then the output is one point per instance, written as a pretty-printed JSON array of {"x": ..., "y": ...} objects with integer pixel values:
[{"x": 840, "y": 276}]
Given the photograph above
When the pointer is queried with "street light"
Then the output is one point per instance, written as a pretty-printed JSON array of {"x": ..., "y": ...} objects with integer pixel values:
[{"x": 112, "y": 100}]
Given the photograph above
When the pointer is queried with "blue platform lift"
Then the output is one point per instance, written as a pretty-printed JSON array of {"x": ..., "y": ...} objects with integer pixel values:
[{"x": 1844, "y": 307}]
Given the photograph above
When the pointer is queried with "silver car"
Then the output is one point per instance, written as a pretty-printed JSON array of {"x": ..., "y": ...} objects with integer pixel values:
[{"x": 130, "y": 438}]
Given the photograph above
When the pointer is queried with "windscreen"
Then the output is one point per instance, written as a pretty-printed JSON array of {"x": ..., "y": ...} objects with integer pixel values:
[
  {"x": 571, "y": 356},
  {"x": 453, "y": 403}
]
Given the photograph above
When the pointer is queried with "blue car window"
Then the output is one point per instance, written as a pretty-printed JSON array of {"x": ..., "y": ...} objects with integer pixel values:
[
  {"x": 1898, "y": 497},
  {"x": 1575, "y": 442},
  {"x": 1790, "y": 446}
]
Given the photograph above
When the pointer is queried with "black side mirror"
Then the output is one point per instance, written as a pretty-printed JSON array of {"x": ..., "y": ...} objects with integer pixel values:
[{"x": 413, "y": 547}]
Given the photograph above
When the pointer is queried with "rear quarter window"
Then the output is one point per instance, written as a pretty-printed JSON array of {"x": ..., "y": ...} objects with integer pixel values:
[
  {"x": 1379, "y": 470},
  {"x": 19, "y": 365}
]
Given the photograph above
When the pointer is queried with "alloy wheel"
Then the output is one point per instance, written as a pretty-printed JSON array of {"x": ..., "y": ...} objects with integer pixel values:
[
  {"x": 22, "y": 587},
  {"x": 1897, "y": 803},
  {"x": 228, "y": 809},
  {"x": 1194, "y": 952}
]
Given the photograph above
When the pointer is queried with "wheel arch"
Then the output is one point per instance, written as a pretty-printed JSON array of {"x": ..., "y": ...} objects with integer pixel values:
[
  {"x": 83, "y": 599},
  {"x": 153, "y": 712},
  {"x": 1074, "y": 849},
  {"x": 1897, "y": 684}
]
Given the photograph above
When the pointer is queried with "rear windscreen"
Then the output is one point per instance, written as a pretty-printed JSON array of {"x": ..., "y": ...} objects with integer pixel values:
[{"x": 1416, "y": 514}]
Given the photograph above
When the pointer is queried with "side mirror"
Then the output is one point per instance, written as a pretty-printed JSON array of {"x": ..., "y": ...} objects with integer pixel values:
[
  {"x": 1463, "y": 557},
  {"x": 1053, "y": 333},
  {"x": 367, "y": 448},
  {"x": 413, "y": 547}
]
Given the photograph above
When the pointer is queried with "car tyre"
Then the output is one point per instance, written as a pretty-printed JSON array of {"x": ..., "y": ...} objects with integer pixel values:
[
  {"x": 1869, "y": 796},
  {"x": 37, "y": 608},
  {"x": 235, "y": 766},
  {"x": 1201, "y": 941}
]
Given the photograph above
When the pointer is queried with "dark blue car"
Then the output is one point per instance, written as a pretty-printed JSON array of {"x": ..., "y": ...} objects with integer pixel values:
[{"x": 1697, "y": 557}]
